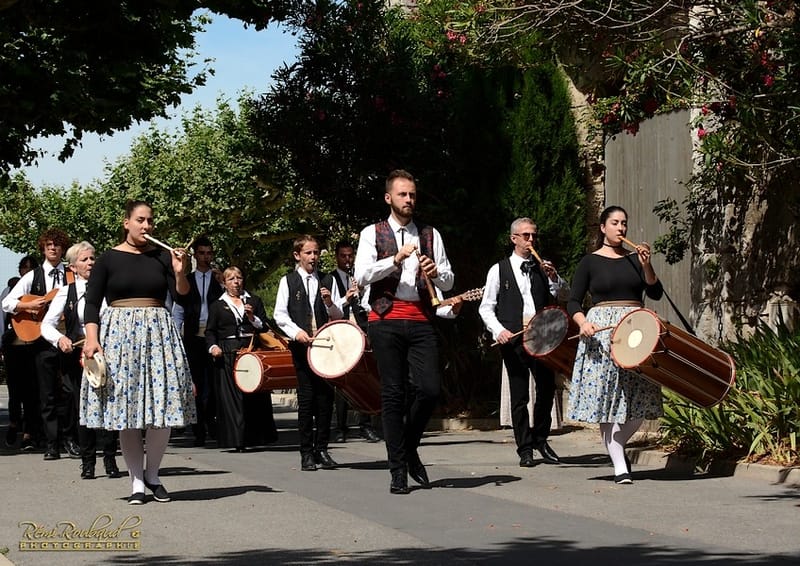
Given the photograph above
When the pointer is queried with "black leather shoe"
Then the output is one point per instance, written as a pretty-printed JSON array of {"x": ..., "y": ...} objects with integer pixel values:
[
  {"x": 52, "y": 454},
  {"x": 307, "y": 463},
  {"x": 28, "y": 445},
  {"x": 159, "y": 492},
  {"x": 136, "y": 498},
  {"x": 399, "y": 484},
  {"x": 72, "y": 449},
  {"x": 324, "y": 460},
  {"x": 526, "y": 459},
  {"x": 623, "y": 479},
  {"x": 11, "y": 436},
  {"x": 548, "y": 454},
  {"x": 341, "y": 436},
  {"x": 87, "y": 471},
  {"x": 419, "y": 474},
  {"x": 112, "y": 471},
  {"x": 368, "y": 433}
]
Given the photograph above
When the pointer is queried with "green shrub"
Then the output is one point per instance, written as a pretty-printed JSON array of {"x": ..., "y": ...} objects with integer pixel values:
[{"x": 760, "y": 418}]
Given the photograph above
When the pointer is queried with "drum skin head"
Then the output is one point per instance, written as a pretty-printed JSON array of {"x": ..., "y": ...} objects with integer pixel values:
[
  {"x": 635, "y": 338},
  {"x": 247, "y": 372},
  {"x": 545, "y": 332},
  {"x": 94, "y": 370},
  {"x": 336, "y": 349}
]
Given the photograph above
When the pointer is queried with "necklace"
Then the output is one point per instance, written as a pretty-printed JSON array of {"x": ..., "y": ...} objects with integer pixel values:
[
  {"x": 138, "y": 247},
  {"x": 612, "y": 246}
]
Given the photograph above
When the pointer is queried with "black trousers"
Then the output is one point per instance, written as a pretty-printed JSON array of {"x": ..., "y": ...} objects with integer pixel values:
[
  {"x": 52, "y": 397},
  {"x": 201, "y": 367},
  {"x": 23, "y": 388},
  {"x": 519, "y": 365},
  {"x": 403, "y": 349},
  {"x": 87, "y": 438},
  {"x": 314, "y": 403}
]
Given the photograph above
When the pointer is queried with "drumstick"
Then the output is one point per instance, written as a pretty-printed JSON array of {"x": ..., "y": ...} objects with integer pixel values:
[
  {"x": 78, "y": 342},
  {"x": 510, "y": 337},
  {"x": 326, "y": 338},
  {"x": 162, "y": 244},
  {"x": 596, "y": 331}
]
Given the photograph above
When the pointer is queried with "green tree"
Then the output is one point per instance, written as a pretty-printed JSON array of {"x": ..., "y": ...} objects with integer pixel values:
[
  {"x": 69, "y": 67},
  {"x": 206, "y": 179},
  {"x": 545, "y": 174}
]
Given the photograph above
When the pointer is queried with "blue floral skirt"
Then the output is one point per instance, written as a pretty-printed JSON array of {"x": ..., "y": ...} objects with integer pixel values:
[
  {"x": 602, "y": 392},
  {"x": 148, "y": 383}
]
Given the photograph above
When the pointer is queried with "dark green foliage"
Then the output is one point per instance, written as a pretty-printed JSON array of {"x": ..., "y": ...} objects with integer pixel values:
[{"x": 545, "y": 179}]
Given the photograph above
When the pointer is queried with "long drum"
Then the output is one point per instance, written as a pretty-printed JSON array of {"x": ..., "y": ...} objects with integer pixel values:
[
  {"x": 339, "y": 355},
  {"x": 547, "y": 338},
  {"x": 672, "y": 358},
  {"x": 264, "y": 370}
]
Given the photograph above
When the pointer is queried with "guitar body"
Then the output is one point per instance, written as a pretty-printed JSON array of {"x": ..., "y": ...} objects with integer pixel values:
[{"x": 27, "y": 325}]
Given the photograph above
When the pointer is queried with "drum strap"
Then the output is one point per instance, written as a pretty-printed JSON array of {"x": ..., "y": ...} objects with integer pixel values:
[{"x": 683, "y": 320}]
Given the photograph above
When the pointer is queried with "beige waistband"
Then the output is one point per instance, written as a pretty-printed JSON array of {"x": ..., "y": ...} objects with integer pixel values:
[
  {"x": 137, "y": 302},
  {"x": 619, "y": 304}
]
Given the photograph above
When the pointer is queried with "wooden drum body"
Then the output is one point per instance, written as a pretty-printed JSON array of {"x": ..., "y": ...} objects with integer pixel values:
[
  {"x": 546, "y": 338},
  {"x": 264, "y": 370},
  {"x": 339, "y": 355},
  {"x": 672, "y": 358}
]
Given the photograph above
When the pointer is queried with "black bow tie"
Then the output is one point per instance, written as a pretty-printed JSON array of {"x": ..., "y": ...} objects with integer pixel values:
[{"x": 529, "y": 266}]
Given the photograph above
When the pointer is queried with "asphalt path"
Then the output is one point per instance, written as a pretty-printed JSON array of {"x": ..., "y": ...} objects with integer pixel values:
[{"x": 259, "y": 508}]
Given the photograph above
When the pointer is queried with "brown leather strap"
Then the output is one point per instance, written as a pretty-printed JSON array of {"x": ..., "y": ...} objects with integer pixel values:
[
  {"x": 619, "y": 304},
  {"x": 137, "y": 302}
]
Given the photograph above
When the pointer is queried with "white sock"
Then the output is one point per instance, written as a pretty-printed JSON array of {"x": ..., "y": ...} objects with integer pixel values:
[
  {"x": 157, "y": 440},
  {"x": 130, "y": 440}
]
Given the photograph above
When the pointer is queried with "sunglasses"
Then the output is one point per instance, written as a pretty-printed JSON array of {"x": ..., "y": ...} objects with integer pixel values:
[{"x": 527, "y": 235}]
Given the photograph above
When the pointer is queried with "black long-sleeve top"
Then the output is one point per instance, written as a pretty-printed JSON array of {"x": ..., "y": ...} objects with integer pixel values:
[
  {"x": 610, "y": 279},
  {"x": 123, "y": 275}
]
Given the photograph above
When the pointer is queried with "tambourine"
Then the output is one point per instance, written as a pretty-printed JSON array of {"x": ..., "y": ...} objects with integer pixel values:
[{"x": 94, "y": 370}]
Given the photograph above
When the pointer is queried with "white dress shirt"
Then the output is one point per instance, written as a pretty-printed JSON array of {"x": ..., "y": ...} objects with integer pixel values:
[
  {"x": 492, "y": 288},
  {"x": 23, "y": 286},
  {"x": 281, "y": 312},
  {"x": 51, "y": 320},
  {"x": 368, "y": 269}
]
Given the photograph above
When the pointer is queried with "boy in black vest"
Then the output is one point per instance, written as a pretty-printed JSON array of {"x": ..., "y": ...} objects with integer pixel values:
[
  {"x": 516, "y": 288},
  {"x": 302, "y": 306},
  {"x": 394, "y": 258}
]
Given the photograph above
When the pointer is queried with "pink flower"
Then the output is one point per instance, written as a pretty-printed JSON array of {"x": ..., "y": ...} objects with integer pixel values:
[
  {"x": 768, "y": 80},
  {"x": 701, "y": 132},
  {"x": 704, "y": 110}
]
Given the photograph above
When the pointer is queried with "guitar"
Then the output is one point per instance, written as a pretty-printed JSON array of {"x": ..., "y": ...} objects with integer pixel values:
[
  {"x": 27, "y": 324},
  {"x": 471, "y": 295}
]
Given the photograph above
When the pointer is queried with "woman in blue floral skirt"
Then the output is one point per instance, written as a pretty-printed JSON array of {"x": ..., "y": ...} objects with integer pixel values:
[
  {"x": 601, "y": 392},
  {"x": 149, "y": 386}
]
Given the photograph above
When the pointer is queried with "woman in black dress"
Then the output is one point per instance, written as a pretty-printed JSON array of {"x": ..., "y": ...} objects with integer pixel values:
[{"x": 243, "y": 419}]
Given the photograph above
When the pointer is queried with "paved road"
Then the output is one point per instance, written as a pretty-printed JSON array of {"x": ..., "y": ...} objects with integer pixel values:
[{"x": 258, "y": 508}]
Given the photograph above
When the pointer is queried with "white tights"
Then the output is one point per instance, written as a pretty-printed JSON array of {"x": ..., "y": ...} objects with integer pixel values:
[
  {"x": 615, "y": 436},
  {"x": 132, "y": 445}
]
